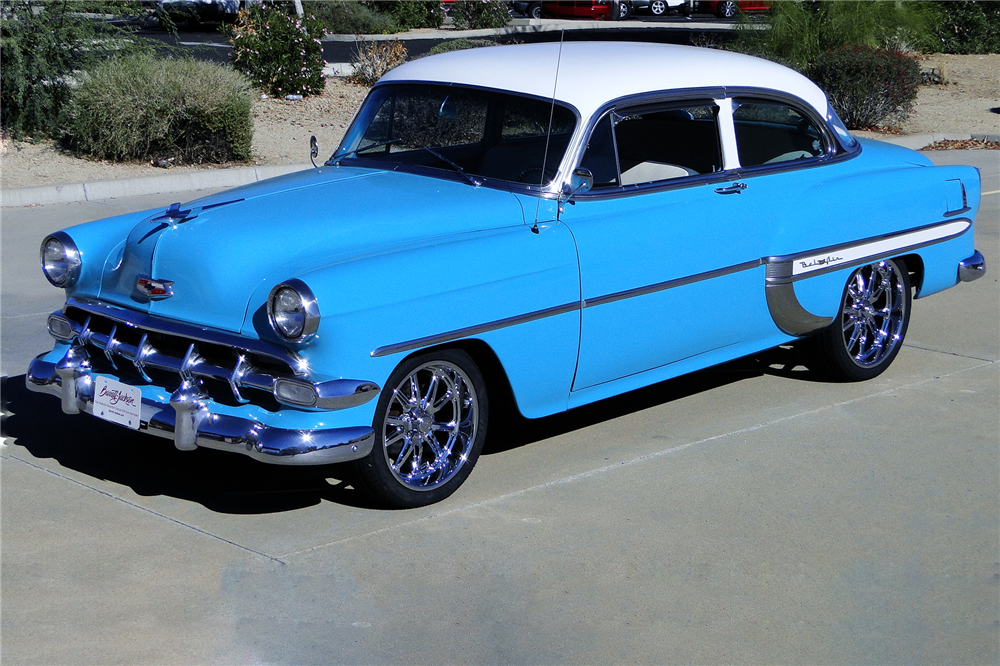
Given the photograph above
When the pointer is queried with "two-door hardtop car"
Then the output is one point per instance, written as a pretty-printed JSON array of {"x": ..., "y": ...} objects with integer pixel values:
[{"x": 529, "y": 220}]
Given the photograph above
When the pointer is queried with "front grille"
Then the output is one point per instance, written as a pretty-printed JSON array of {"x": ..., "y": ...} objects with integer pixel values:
[{"x": 142, "y": 349}]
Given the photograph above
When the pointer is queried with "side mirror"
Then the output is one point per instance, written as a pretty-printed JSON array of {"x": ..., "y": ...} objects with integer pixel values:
[
  {"x": 313, "y": 149},
  {"x": 581, "y": 181}
]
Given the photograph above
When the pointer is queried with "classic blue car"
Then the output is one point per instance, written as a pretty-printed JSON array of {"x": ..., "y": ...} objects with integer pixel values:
[{"x": 521, "y": 220}]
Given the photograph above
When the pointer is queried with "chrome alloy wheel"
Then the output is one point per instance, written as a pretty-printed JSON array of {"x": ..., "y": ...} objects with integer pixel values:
[
  {"x": 874, "y": 313},
  {"x": 430, "y": 425}
]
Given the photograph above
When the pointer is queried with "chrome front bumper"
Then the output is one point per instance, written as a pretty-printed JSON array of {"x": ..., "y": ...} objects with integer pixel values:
[
  {"x": 188, "y": 420},
  {"x": 972, "y": 268}
]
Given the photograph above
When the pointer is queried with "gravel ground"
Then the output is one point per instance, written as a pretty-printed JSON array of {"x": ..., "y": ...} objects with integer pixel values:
[{"x": 968, "y": 103}]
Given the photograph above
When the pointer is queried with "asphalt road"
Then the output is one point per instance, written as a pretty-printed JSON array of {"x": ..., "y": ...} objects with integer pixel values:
[{"x": 744, "y": 514}]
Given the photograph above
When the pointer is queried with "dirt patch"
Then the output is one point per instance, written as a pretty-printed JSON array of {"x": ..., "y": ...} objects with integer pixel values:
[{"x": 966, "y": 102}]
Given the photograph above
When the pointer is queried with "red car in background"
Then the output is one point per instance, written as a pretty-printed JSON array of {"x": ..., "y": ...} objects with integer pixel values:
[
  {"x": 596, "y": 10},
  {"x": 729, "y": 8}
]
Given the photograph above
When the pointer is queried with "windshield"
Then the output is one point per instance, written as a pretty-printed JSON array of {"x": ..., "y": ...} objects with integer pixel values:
[{"x": 477, "y": 133}]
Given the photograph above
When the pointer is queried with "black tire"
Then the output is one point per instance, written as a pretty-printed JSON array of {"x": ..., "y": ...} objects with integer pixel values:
[
  {"x": 430, "y": 425},
  {"x": 869, "y": 330},
  {"x": 726, "y": 9},
  {"x": 624, "y": 10},
  {"x": 658, "y": 7},
  {"x": 535, "y": 10}
]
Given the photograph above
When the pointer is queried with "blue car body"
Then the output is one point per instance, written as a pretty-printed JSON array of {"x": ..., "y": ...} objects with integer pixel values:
[{"x": 572, "y": 289}]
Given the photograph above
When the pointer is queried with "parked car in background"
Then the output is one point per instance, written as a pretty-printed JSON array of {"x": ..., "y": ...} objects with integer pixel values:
[
  {"x": 600, "y": 10},
  {"x": 729, "y": 8},
  {"x": 530, "y": 224},
  {"x": 196, "y": 11},
  {"x": 661, "y": 7},
  {"x": 529, "y": 8}
]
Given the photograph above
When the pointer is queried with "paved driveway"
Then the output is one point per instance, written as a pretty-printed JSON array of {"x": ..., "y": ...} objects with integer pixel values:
[{"x": 745, "y": 514}]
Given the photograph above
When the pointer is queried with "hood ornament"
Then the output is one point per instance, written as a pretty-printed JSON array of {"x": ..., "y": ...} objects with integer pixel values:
[{"x": 154, "y": 290}]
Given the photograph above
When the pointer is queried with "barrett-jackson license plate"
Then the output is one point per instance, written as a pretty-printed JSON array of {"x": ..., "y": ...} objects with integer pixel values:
[{"x": 117, "y": 402}]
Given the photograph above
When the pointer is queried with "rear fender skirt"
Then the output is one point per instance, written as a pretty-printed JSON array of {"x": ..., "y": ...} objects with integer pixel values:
[{"x": 784, "y": 271}]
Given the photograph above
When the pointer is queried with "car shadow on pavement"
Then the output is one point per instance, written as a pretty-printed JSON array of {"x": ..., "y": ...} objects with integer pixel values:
[
  {"x": 235, "y": 484},
  {"x": 151, "y": 466},
  {"x": 509, "y": 430}
]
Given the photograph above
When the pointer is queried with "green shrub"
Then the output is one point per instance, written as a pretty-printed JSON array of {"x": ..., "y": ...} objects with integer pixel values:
[
  {"x": 460, "y": 44},
  {"x": 44, "y": 47},
  {"x": 373, "y": 59},
  {"x": 968, "y": 27},
  {"x": 479, "y": 14},
  {"x": 280, "y": 53},
  {"x": 868, "y": 87},
  {"x": 139, "y": 108},
  {"x": 797, "y": 32},
  {"x": 349, "y": 17},
  {"x": 409, "y": 14}
]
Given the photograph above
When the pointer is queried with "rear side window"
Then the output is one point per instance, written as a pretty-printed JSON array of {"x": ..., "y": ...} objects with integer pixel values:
[
  {"x": 772, "y": 133},
  {"x": 650, "y": 145}
]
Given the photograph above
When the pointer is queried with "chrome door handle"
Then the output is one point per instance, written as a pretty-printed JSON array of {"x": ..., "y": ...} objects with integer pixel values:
[{"x": 735, "y": 188}]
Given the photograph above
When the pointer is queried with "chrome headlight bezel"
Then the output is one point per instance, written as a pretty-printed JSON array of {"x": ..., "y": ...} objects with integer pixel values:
[
  {"x": 62, "y": 267},
  {"x": 292, "y": 311}
]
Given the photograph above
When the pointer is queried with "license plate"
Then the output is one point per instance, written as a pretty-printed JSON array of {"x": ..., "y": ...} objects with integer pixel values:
[{"x": 117, "y": 402}]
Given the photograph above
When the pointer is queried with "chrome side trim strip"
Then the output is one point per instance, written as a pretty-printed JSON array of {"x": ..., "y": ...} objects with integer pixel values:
[
  {"x": 431, "y": 340},
  {"x": 794, "y": 267},
  {"x": 188, "y": 420},
  {"x": 671, "y": 284}
]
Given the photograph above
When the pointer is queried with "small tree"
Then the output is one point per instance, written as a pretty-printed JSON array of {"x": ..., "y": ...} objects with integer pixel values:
[
  {"x": 45, "y": 46},
  {"x": 480, "y": 14},
  {"x": 279, "y": 52}
]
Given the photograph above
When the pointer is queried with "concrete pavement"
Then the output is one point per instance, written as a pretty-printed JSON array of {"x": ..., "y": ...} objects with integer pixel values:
[{"x": 744, "y": 514}]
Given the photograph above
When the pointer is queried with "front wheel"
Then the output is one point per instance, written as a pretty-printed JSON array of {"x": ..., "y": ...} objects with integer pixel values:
[
  {"x": 869, "y": 330},
  {"x": 624, "y": 10},
  {"x": 658, "y": 7},
  {"x": 430, "y": 425}
]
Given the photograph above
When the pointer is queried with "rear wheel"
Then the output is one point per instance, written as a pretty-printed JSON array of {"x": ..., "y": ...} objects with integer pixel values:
[
  {"x": 624, "y": 10},
  {"x": 869, "y": 330},
  {"x": 430, "y": 425},
  {"x": 658, "y": 7}
]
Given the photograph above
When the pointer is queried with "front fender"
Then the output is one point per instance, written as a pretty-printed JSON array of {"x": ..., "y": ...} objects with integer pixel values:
[{"x": 516, "y": 290}]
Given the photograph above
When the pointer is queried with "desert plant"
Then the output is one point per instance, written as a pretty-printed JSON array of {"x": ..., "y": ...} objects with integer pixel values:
[
  {"x": 142, "y": 107},
  {"x": 797, "y": 32},
  {"x": 349, "y": 17},
  {"x": 409, "y": 14},
  {"x": 868, "y": 87},
  {"x": 964, "y": 26},
  {"x": 373, "y": 59},
  {"x": 479, "y": 14},
  {"x": 460, "y": 44},
  {"x": 279, "y": 52},
  {"x": 45, "y": 45}
]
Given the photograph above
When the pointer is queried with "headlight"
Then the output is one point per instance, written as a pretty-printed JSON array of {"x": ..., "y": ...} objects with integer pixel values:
[
  {"x": 60, "y": 260},
  {"x": 293, "y": 311}
]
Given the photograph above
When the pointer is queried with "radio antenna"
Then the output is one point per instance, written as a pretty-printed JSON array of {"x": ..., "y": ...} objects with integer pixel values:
[{"x": 548, "y": 133}]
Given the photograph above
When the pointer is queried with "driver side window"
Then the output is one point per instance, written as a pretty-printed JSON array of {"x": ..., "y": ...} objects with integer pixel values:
[{"x": 653, "y": 144}]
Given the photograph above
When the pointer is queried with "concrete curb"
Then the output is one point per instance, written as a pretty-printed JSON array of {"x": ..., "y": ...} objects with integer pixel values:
[
  {"x": 198, "y": 179},
  {"x": 201, "y": 179}
]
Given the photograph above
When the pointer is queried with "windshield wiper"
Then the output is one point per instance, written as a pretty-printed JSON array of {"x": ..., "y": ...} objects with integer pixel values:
[
  {"x": 377, "y": 144},
  {"x": 472, "y": 179}
]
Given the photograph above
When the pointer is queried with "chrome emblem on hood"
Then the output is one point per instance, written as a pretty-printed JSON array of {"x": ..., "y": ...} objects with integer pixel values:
[{"x": 154, "y": 289}]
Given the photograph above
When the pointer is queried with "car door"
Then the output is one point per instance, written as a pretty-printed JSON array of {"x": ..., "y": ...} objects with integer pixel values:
[{"x": 670, "y": 261}]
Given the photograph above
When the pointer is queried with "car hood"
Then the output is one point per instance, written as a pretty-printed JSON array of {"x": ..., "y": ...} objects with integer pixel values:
[{"x": 200, "y": 262}]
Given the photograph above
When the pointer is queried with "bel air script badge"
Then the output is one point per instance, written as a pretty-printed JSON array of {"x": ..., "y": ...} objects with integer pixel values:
[{"x": 154, "y": 289}]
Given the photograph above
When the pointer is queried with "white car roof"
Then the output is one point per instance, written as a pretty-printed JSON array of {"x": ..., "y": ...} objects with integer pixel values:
[{"x": 593, "y": 73}]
